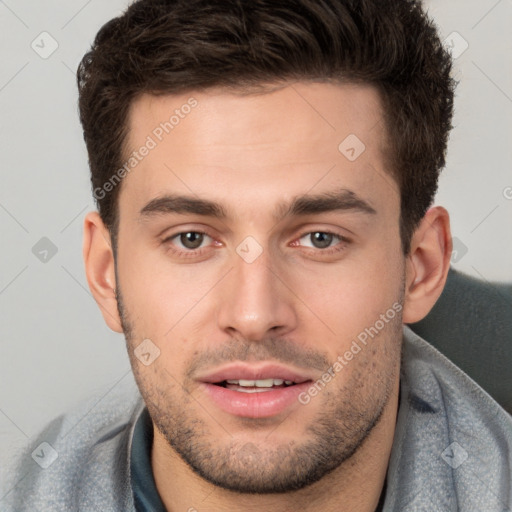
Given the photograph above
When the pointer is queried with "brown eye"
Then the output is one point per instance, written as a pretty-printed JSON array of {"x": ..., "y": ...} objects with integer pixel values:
[
  {"x": 191, "y": 239},
  {"x": 190, "y": 245}
]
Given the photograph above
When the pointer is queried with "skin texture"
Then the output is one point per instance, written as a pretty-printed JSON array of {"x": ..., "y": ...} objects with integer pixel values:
[{"x": 297, "y": 304}]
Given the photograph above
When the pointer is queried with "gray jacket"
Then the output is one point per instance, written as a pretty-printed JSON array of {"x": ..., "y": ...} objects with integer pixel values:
[{"x": 452, "y": 449}]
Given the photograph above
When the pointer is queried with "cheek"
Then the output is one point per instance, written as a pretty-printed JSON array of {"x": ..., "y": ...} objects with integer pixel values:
[
  {"x": 349, "y": 297},
  {"x": 161, "y": 297}
]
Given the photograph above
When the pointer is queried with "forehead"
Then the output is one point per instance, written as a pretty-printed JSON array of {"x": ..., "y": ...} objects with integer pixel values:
[{"x": 265, "y": 147}]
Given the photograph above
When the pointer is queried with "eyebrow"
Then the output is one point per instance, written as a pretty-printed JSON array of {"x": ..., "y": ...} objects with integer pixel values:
[
  {"x": 183, "y": 204},
  {"x": 343, "y": 200}
]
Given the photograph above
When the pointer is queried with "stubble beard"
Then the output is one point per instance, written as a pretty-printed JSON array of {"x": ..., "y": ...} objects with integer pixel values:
[{"x": 347, "y": 417}]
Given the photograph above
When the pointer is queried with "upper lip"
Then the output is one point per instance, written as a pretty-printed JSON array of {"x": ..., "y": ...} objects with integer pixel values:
[{"x": 247, "y": 371}]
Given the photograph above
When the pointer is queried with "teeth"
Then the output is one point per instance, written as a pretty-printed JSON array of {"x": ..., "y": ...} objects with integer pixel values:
[
  {"x": 254, "y": 390},
  {"x": 261, "y": 383}
]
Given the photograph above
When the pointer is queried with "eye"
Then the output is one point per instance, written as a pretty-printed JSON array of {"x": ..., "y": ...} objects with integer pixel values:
[
  {"x": 320, "y": 239},
  {"x": 190, "y": 240}
]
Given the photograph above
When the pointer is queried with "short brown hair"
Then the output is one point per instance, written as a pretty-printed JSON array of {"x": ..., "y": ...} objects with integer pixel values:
[{"x": 171, "y": 46}]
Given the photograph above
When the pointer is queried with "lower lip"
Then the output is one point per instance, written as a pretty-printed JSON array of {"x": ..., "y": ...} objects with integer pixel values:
[{"x": 264, "y": 404}]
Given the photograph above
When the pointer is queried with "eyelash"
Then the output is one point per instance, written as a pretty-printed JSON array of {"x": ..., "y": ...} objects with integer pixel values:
[{"x": 340, "y": 246}]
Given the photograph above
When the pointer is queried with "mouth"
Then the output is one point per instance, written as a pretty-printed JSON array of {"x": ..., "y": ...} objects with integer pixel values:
[
  {"x": 249, "y": 391},
  {"x": 255, "y": 386}
]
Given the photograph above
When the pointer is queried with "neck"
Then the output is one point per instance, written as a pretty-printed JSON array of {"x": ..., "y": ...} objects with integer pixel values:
[{"x": 354, "y": 486}]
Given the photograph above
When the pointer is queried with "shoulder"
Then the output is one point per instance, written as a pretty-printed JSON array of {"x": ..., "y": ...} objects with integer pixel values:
[
  {"x": 449, "y": 389},
  {"x": 81, "y": 459},
  {"x": 453, "y": 442}
]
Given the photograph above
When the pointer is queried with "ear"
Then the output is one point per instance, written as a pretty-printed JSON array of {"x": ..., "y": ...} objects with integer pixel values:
[
  {"x": 427, "y": 264},
  {"x": 100, "y": 269}
]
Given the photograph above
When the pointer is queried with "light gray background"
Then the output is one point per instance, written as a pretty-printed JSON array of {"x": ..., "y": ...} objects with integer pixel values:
[{"x": 55, "y": 347}]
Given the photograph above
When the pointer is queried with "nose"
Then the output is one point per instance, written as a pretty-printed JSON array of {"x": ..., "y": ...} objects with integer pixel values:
[{"x": 255, "y": 301}]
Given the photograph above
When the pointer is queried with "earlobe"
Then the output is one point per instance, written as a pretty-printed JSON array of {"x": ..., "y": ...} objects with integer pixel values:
[
  {"x": 100, "y": 268},
  {"x": 427, "y": 264}
]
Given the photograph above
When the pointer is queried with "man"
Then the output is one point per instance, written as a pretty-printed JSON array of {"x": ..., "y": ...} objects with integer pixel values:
[{"x": 264, "y": 173}]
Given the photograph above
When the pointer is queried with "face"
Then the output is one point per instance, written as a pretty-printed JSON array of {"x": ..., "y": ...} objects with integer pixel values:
[{"x": 259, "y": 252}]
